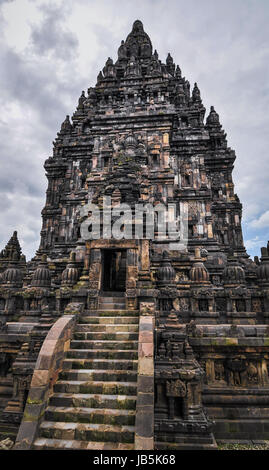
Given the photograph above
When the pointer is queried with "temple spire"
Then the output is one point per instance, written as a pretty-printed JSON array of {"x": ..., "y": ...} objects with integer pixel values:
[
  {"x": 138, "y": 42},
  {"x": 12, "y": 248}
]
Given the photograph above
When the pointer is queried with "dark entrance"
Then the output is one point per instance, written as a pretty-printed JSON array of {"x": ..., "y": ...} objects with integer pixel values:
[{"x": 114, "y": 270}]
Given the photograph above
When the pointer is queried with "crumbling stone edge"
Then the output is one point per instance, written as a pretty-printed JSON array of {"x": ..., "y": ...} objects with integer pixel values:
[
  {"x": 48, "y": 366},
  {"x": 144, "y": 424}
]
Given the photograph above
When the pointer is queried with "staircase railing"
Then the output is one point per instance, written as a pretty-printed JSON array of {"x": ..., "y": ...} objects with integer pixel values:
[
  {"x": 48, "y": 366},
  {"x": 144, "y": 423}
]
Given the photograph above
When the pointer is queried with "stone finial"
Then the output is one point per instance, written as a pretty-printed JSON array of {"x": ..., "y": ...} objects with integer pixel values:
[
  {"x": 178, "y": 72},
  {"x": 81, "y": 100},
  {"x": 12, "y": 276},
  {"x": 138, "y": 42},
  {"x": 233, "y": 273},
  {"x": 41, "y": 277},
  {"x": 66, "y": 126},
  {"x": 172, "y": 320},
  {"x": 256, "y": 260},
  {"x": 100, "y": 77},
  {"x": 130, "y": 141},
  {"x": 109, "y": 69},
  {"x": 188, "y": 350},
  {"x": 264, "y": 252},
  {"x": 170, "y": 64},
  {"x": 169, "y": 59},
  {"x": 263, "y": 269},
  {"x": 166, "y": 272},
  {"x": 70, "y": 274},
  {"x": 199, "y": 273},
  {"x": 156, "y": 55},
  {"x": 122, "y": 51},
  {"x": 196, "y": 95},
  {"x": 13, "y": 246},
  {"x": 213, "y": 118}
]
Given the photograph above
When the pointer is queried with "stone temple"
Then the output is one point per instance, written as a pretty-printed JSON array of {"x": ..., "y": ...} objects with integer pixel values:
[{"x": 130, "y": 343}]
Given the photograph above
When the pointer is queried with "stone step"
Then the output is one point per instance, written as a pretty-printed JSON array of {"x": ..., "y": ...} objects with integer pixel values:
[
  {"x": 109, "y": 320},
  {"x": 106, "y": 388},
  {"x": 52, "y": 444},
  {"x": 99, "y": 375},
  {"x": 90, "y": 415},
  {"x": 104, "y": 328},
  {"x": 111, "y": 306},
  {"x": 110, "y": 312},
  {"x": 112, "y": 294},
  {"x": 102, "y": 354},
  {"x": 97, "y": 336},
  {"x": 87, "y": 432},
  {"x": 100, "y": 364},
  {"x": 104, "y": 344},
  {"x": 112, "y": 300},
  {"x": 86, "y": 400}
]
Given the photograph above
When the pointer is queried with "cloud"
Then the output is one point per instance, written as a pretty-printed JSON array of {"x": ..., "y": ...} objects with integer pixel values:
[
  {"x": 51, "y": 37},
  {"x": 262, "y": 221},
  {"x": 50, "y": 51},
  {"x": 36, "y": 94},
  {"x": 254, "y": 243}
]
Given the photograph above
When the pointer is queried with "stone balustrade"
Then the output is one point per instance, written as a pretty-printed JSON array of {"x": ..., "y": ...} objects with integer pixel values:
[
  {"x": 45, "y": 375},
  {"x": 144, "y": 424}
]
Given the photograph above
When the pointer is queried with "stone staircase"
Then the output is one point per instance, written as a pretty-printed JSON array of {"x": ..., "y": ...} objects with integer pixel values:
[
  {"x": 94, "y": 401},
  {"x": 115, "y": 302}
]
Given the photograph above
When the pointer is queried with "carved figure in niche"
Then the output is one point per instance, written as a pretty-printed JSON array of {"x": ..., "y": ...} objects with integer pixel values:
[
  {"x": 219, "y": 371},
  {"x": 44, "y": 306},
  {"x": 175, "y": 390},
  {"x": 183, "y": 305},
  {"x": 168, "y": 348},
  {"x": 216, "y": 280},
  {"x": 216, "y": 182},
  {"x": 191, "y": 328},
  {"x": 177, "y": 350},
  {"x": 240, "y": 305},
  {"x": 252, "y": 372},
  {"x": 186, "y": 176},
  {"x": 203, "y": 305},
  {"x": 166, "y": 305},
  {"x": 181, "y": 276},
  {"x": 221, "y": 304},
  {"x": 33, "y": 305},
  {"x": 236, "y": 371}
]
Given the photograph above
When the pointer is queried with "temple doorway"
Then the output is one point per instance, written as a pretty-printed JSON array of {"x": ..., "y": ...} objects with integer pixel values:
[{"x": 114, "y": 270}]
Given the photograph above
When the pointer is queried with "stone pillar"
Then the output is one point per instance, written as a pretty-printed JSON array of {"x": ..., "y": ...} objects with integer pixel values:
[
  {"x": 131, "y": 279},
  {"x": 95, "y": 273}
]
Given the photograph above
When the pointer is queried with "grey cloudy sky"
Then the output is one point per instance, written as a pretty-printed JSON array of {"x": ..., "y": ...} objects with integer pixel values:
[{"x": 50, "y": 51}]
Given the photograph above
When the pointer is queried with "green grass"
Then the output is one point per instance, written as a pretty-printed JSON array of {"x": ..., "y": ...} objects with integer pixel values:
[{"x": 229, "y": 446}]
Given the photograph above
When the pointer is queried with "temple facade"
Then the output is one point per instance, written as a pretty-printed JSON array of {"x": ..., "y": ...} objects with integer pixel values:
[{"x": 110, "y": 342}]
